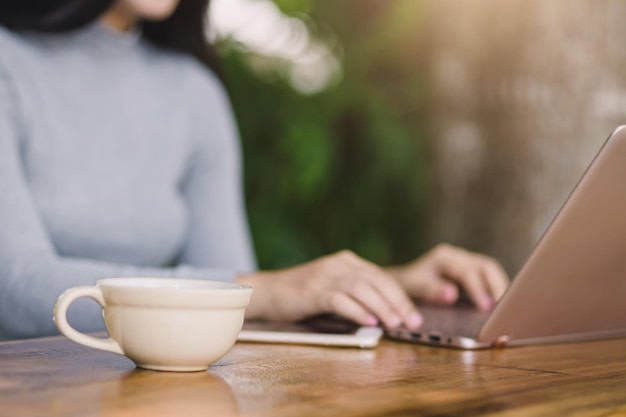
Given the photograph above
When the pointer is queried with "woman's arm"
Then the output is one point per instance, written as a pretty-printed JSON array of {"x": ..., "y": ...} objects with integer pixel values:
[
  {"x": 218, "y": 234},
  {"x": 32, "y": 273}
]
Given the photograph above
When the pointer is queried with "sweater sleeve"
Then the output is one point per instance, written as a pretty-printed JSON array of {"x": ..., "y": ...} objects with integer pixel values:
[
  {"x": 218, "y": 235},
  {"x": 33, "y": 274}
]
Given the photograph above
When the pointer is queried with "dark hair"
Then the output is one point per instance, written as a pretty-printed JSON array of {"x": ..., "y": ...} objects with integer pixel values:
[
  {"x": 50, "y": 15},
  {"x": 183, "y": 31}
]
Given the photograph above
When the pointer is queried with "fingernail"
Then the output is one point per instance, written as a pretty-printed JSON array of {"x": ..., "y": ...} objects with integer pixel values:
[
  {"x": 394, "y": 321},
  {"x": 415, "y": 321},
  {"x": 448, "y": 294},
  {"x": 486, "y": 302},
  {"x": 372, "y": 321}
]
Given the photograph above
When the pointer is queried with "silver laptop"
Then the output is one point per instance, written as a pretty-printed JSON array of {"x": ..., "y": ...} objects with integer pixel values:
[{"x": 573, "y": 285}]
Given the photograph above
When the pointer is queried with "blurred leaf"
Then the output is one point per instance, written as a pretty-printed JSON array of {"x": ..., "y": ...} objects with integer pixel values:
[
  {"x": 343, "y": 169},
  {"x": 310, "y": 153},
  {"x": 294, "y": 7}
]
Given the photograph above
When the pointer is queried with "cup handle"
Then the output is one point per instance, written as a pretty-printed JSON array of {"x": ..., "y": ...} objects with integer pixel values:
[{"x": 59, "y": 316}]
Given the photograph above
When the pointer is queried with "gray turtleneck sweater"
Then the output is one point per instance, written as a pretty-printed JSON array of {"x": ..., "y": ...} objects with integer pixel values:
[{"x": 116, "y": 159}]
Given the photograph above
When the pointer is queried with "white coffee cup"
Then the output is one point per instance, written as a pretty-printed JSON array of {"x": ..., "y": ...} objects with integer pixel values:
[{"x": 165, "y": 324}]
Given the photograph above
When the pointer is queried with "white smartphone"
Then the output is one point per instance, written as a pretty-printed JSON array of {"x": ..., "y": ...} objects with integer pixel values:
[{"x": 320, "y": 332}]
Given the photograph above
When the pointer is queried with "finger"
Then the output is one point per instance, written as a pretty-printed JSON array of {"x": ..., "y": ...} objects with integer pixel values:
[
  {"x": 379, "y": 292},
  {"x": 461, "y": 266},
  {"x": 394, "y": 296},
  {"x": 474, "y": 285},
  {"x": 344, "y": 305},
  {"x": 495, "y": 277},
  {"x": 436, "y": 289},
  {"x": 373, "y": 301},
  {"x": 470, "y": 280}
]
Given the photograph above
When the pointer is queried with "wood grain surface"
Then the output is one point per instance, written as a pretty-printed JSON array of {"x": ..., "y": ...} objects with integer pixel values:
[{"x": 55, "y": 377}]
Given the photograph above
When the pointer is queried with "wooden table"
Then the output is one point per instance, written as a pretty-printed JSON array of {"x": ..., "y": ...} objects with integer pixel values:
[{"x": 55, "y": 377}]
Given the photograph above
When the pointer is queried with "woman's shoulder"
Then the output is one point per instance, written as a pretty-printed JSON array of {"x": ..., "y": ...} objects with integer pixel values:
[
  {"x": 198, "y": 84},
  {"x": 200, "y": 76},
  {"x": 10, "y": 45},
  {"x": 15, "y": 48},
  {"x": 7, "y": 38},
  {"x": 11, "y": 42},
  {"x": 187, "y": 68}
]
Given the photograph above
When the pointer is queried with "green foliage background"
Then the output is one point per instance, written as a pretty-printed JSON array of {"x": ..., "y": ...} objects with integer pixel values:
[{"x": 344, "y": 168}]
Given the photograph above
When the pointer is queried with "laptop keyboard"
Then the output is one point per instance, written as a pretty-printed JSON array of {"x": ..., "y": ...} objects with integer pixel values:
[{"x": 459, "y": 320}]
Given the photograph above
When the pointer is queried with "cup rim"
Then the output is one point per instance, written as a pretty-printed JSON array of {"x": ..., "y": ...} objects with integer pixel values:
[{"x": 171, "y": 283}]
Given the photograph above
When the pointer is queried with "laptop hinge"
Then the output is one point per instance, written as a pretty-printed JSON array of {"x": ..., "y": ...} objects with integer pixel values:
[{"x": 501, "y": 341}]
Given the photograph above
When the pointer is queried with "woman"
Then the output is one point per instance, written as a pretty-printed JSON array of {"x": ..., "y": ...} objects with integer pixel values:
[{"x": 119, "y": 157}]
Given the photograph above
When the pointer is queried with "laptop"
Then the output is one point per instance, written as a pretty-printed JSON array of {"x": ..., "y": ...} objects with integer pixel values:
[{"x": 573, "y": 285}]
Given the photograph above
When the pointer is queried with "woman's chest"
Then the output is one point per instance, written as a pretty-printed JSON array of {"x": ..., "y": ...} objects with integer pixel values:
[{"x": 104, "y": 159}]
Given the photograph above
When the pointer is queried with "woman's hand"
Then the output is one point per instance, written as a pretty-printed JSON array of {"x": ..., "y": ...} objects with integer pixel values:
[
  {"x": 438, "y": 276},
  {"x": 350, "y": 286},
  {"x": 342, "y": 283}
]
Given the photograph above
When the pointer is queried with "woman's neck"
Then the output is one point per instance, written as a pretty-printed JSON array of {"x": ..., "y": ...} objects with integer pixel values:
[{"x": 119, "y": 19}]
